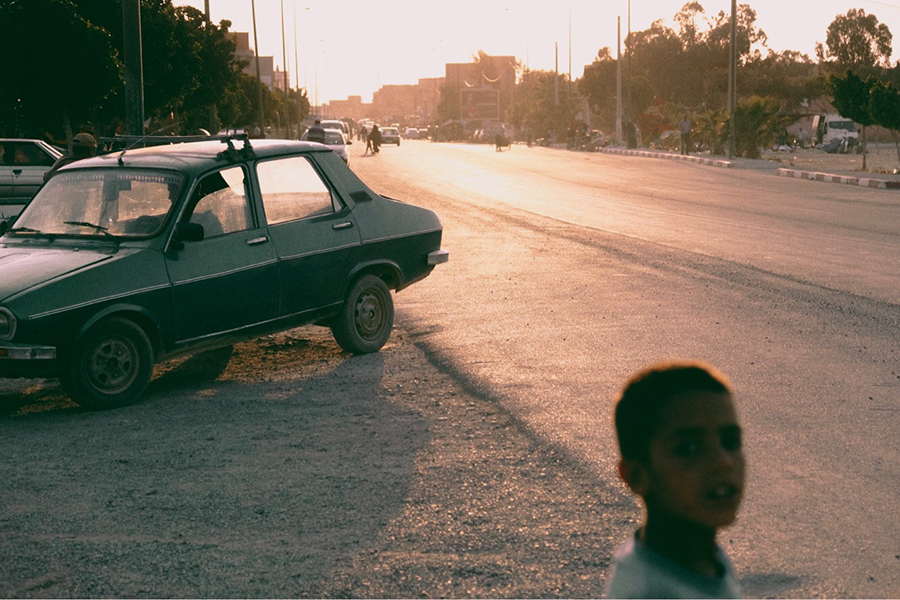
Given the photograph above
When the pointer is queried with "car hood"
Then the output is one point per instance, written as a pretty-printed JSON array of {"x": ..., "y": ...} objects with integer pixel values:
[{"x": 23, "y": 268}]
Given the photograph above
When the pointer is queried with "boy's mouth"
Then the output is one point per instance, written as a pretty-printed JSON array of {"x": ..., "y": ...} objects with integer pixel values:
[{"x": 723, "y": 491}]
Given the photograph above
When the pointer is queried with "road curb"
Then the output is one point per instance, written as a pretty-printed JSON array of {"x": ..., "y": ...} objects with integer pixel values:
[
  {"x": 867, "y": 182},
  {"x": 648, "y": 154}
]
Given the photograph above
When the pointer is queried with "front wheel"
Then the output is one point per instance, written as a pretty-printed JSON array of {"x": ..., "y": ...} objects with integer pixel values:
[
  {"x": 366, "y": 318},
  {"x": 111, "y": 365}
]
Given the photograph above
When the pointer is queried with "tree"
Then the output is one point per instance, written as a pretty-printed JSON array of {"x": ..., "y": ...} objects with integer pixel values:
[
  {"x": 61, "y": 81},
  {"x": 857, "y": 41},
  {"x": 884, "y": 105},
  {"x": 851, "y": 99}
]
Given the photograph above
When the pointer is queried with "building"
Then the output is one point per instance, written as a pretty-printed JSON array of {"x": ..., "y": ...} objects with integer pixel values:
[{"x": 247, "y": 58}]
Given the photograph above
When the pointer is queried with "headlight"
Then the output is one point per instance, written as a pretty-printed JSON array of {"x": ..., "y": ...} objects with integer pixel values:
[{"x": 7, "y": 324}]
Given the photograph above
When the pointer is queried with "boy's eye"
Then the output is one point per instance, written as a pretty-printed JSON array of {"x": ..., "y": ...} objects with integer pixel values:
[{"x": 687, "y": 448}]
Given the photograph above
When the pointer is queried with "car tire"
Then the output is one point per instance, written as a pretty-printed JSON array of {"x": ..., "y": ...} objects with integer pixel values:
[
  {"x": 366, "y": 318},
  {"x": 110, "y": 366}
]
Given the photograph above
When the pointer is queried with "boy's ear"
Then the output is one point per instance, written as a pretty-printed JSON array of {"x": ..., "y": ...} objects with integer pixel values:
[{"x": 635, "y": 475}]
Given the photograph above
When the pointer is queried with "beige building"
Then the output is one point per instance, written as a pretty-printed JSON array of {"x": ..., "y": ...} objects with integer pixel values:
[{"x": 248, "y": 58}]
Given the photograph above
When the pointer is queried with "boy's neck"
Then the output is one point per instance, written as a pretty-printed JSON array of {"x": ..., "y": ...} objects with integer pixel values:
[{"x": 689, "y": 544}]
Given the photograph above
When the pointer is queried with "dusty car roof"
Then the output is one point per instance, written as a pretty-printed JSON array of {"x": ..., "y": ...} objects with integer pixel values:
[{"x": 192, "y": 155}]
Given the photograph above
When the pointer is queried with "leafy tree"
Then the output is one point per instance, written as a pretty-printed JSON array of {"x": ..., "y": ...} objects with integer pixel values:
[
  {"x": 758, "y": 124},
  {"x": 63, "y": 78},
  {"x": 851, "y": 99},
  {"x": 598, "y": 85},
  {"x": 884, "y": 105},
  {"x": 536, "y": 109},
  {"x": 856, "y": 41}
]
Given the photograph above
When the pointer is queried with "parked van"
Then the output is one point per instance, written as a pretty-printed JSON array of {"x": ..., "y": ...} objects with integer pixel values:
[{"x": 833, "y": 127}]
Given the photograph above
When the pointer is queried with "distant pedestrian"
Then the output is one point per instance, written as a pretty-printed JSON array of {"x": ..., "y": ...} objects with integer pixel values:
[
  {"x": 316, "y": 133},
  {"x": 680, "y": 446},
  {"x": 83, "y": 146},
  {"x": 684, "y": 127},
  {"x": 374, "y": 139}
]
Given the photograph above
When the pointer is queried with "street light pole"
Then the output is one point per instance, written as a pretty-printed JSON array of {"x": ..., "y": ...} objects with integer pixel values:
[
  {"x": 262, "y": 111},
  {"x": 732, "y": 80},
  {"x": 134, "y": 69},
  {"x": 287, "y": 97}
]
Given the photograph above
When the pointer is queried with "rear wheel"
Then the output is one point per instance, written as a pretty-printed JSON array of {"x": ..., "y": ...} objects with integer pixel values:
[
  {"x": 367, "y": 317},
  {"x": 111, "y": 365}
]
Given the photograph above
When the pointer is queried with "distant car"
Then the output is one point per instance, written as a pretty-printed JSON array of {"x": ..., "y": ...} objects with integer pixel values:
[
  {"x": 22, "y": 167},
  {"x": 411, "y": 133},
  {"x": 335, "y": 140},
  {"x": 132, "y": 257},
  {"x": 336, "y": 124},
  {"x": 390, "y": 135}
]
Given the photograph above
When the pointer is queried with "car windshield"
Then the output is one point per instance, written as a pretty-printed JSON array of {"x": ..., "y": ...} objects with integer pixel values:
[
  {"x": 334, "y": 138},
  {"x": 845, "y": 125},
  {"x": 104, "y": 202}
]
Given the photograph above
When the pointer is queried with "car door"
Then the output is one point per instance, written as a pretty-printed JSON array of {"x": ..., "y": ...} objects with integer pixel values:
[
  {"x": 6, "y": 184},
  {"x": 29, "y": 163},
  {"x": 228, "y": 280},
  {"x": 314, "y": 234}
]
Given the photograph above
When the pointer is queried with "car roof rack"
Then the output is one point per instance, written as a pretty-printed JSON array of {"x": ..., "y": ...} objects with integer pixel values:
[{"x": 108, "y": 145}]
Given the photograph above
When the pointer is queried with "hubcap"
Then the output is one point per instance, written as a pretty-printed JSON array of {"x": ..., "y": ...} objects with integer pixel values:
[
  {"x": 370, "y": 315},
  {"x": 113, "y": 365}
]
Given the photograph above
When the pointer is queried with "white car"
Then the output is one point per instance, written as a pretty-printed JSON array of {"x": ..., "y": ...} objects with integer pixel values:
[
  {"x": 22, "y": 167},
  {"x": 411, "y": 133},
  {"x": 335, "y": 140}
]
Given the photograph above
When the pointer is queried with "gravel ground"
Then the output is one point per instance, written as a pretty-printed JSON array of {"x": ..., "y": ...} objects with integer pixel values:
[
  {"x": 881, "y": 162},
  {"x": 291, "y": 469}
]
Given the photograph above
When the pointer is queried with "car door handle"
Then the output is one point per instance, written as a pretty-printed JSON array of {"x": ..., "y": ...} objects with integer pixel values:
[
  {"x": 17, "y": 171},
  {"x": 346, "y": 225},
  {"x": 256, "y": 241}
]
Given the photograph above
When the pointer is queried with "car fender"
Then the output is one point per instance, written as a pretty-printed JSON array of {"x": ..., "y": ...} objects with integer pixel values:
[
  {"x": 388, "y": 270},
  {"x": 134, "y": 312}
]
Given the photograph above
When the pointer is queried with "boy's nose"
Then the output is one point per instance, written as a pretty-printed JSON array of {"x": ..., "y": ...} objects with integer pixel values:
[{"x": 727, "y": 459}]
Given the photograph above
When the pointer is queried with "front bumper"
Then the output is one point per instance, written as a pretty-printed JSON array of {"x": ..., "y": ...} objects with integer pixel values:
[{"x": 27, "y": 360}]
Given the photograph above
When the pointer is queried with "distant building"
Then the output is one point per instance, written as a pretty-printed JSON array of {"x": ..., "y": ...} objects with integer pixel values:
[
  {"x": 485, "y": 88},
  {"x": 247, "y": 58}
]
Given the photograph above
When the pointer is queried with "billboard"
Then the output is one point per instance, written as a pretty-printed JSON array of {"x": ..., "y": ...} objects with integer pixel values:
[{"x": 482, "y": 103}]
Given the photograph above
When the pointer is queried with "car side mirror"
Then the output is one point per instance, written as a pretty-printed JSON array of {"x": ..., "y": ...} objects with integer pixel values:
[
  {"x": 360, "y": 196},
  {"x": 4, "y": 226},
  {"x": 188, "y": 232}
]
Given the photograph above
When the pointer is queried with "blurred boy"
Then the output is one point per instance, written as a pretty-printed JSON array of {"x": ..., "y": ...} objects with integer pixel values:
[{"x": 680, "y": 444}]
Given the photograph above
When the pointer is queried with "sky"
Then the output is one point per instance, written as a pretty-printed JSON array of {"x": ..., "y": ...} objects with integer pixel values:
[{"x": 352, "y": 47}]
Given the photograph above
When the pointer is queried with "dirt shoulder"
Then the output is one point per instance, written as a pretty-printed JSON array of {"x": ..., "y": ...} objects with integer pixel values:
[{"x": 291, "y": 469}]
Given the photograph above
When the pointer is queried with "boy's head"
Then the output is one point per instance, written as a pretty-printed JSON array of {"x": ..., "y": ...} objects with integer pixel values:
[{"x": 681, "y": 443}]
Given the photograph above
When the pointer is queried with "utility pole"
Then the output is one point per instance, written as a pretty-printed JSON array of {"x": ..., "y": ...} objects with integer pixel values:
[
  {"x": 213, "y": 113},
  {"x": 134, "y": 67},
  {"x": 287, "y": 87},
  {"x": 262, "y": 111},
  {"x": 619, "y": 79},
  {"x": 732, "y": 80},
  {"x": 556, "y": 77}
]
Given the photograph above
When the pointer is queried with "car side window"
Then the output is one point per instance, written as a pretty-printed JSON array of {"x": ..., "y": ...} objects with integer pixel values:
[
  {"x": 292, "y": 189},
  {"x": 29, "y": 155},
  {"x": 221, "y": 204}
]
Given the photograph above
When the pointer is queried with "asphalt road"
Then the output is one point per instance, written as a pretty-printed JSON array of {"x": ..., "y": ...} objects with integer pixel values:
[
  {"x": 571, "y": 270},
  {"x": 473, "y": 456}
]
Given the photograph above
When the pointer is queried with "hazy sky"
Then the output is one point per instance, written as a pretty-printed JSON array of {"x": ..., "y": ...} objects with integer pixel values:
[{"x": 353, "y": 47}]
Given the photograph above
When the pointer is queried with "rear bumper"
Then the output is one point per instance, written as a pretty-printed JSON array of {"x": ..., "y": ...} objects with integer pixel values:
[{"x": 438, "y": 256}]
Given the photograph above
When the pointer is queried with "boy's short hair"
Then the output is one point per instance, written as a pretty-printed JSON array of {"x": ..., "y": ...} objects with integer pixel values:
[{"x": 649, "y": 391}]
